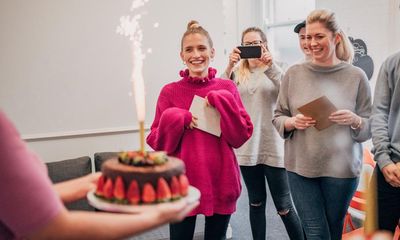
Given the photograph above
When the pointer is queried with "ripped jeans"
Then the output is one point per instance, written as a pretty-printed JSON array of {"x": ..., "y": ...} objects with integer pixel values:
[{"x": 254, "y": 178}]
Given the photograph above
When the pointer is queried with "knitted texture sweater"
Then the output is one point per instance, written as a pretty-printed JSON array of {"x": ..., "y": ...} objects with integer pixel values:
[
  {"x": 335, "y": 151},
  {"x": 385, "y": 125},
  {"x": 211, "y": 164},
  {"x": 259, "y": 94}
]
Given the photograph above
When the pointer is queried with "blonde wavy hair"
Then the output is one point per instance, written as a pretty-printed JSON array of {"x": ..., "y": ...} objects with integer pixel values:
[{"x": 344, "y": 48}]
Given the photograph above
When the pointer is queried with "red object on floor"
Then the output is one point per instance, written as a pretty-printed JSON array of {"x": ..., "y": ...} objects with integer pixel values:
[
  {"x": 358, "y": 202},
  {"x": 360, "y": 232}
]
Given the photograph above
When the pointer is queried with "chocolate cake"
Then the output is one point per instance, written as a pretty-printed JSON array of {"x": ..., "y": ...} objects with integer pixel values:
[{"x": 136, "y": 178}]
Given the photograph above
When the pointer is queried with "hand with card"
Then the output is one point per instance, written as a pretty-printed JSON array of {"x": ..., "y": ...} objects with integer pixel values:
[{"x": 300, "y": 122}]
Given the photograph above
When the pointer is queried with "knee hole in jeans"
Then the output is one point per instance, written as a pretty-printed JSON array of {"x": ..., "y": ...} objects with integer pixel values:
[
  {"x": 256, "y": 204},
  {"x": 283, "y": 212}
]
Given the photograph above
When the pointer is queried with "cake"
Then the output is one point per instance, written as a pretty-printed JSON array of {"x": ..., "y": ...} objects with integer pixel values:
[{"x": 135, "y": 178}]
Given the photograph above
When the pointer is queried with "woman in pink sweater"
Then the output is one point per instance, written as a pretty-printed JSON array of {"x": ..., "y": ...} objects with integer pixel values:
[{"x": 211, "y": 164}]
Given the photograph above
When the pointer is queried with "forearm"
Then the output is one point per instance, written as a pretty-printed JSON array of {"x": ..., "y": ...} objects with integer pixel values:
[
  {"x": 275, "y": 74},
  {"x": 171, "y": 126},
  {"x": 228, "y": 72},
  {"x": 90, "y": 225},
  {"x": 289, "y": 124},
  {"x": 76, "y": 189}
]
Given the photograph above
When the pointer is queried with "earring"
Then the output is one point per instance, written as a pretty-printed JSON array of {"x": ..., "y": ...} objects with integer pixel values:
[{"x": 184, "y": 62}]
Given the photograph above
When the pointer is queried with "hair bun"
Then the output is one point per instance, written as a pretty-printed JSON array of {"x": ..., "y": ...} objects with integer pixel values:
[{"x": 193, "y": 24}]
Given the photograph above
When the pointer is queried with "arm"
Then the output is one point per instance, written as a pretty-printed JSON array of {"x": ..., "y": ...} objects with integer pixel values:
[
  {"x": 380, "y": 129},
  {"x": 379, "y": 119},
  {"x": 236, "y": 126},
  {"x": 282, "y": 119},
  {"x": 77, "y": 188},
  {"x": 168, "y": 128},
  {"x": 361, "y": 130},
  {"x": 275, "y": 73},
  {"x": 98, "y": 225},
  {"x": 234, "y": 58}
]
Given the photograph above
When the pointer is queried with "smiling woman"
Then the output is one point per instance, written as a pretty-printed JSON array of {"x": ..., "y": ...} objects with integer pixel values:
[
  {"x": 210, "y": 161},
  {"x": 324, "y": 175}
]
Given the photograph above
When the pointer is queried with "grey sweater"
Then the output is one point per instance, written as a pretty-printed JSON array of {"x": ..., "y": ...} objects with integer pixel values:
[
  {"x": 385, "y": 124},
  {"x": 259, "y": 95},
  {"x": 335, "y": 151}
]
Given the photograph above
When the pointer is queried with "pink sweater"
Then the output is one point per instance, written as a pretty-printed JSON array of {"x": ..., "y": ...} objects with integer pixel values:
[
  {"x": 27, "y": 199},
  {"x": 211, "y": 165}
]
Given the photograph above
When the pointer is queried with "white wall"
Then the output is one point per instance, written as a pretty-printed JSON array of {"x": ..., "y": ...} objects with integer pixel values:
[{"x": 65, "y": 73}]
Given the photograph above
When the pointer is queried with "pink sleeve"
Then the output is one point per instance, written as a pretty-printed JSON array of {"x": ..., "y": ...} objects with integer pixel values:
[
  {"x": 236, "y": 126},
  {"x": 27, "y": 201},
  {"x": 168, "y": 127}
]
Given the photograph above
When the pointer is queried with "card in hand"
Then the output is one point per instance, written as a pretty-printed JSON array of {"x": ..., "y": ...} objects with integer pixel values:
[{"x": 319, "y": 109}]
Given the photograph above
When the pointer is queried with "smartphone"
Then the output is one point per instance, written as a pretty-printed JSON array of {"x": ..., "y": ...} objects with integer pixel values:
[{"x": 250, "y": 51}]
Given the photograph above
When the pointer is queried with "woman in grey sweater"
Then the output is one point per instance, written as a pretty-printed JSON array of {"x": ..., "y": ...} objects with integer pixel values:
[
  {"x": 261, "y": 157},
  {"x": 324, "y": 165}
]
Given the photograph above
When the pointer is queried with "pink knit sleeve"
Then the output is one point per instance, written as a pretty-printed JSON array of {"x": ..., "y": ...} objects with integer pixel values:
[
  {"x": 168, "y": 127},
  {"x": 236, "y": 126}
]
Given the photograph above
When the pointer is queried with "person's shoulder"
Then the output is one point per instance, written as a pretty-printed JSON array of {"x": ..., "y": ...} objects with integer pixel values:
[
  {"x": 225, "y": 82},
  {"x": 393, "y": 59},
  {"x": 299, "y": 66},
  {"x": 170, "y": 86}
]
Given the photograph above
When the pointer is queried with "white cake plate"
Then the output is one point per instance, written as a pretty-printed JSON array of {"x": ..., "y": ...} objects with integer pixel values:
[{"x": 101, "y": 204}]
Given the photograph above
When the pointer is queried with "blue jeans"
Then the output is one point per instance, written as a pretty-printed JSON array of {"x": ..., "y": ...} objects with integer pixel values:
[
  {"x": 322, "y": 204},
  {"x": 254, "y": 178}
]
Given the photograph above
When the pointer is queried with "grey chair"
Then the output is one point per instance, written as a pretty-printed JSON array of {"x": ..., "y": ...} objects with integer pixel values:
[
  {"x": 100, "y": 157},
  {"x": 69, "y": 169}
]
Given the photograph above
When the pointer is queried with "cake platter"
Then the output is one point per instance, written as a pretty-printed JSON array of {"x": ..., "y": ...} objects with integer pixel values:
[{"x": 98, "y": 203}]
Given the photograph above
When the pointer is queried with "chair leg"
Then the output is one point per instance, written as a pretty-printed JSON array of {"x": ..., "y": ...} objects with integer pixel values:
[{"x": 348, "y": 222}]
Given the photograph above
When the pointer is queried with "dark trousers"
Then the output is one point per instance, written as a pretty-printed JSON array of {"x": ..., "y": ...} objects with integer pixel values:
[
  {"x": 254, "y": 178},
  {"x": 215, "y": 228},
  {"x": 388, "y": 203}
]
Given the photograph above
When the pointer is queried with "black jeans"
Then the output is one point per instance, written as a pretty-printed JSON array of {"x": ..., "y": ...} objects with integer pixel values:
[
  {"x": 388, "y": 203},
  {"x": 254, "y": 178},
  {"x": 215, "y": 228}
]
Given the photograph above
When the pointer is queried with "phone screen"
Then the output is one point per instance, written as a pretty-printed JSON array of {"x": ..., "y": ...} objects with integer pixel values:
[{"x": 250, "y": 51}]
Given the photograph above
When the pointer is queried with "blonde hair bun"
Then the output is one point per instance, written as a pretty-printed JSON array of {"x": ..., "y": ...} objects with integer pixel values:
[{"x": 193, "y": 24}]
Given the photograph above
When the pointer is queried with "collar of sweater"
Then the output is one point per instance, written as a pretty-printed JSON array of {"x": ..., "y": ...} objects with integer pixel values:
[
  {"x": 198, "y": 80},
  {"x": 327, "y": 69}
]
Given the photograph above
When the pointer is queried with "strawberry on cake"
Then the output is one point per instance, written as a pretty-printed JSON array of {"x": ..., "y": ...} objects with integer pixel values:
[{"x": 142, "y": 178}]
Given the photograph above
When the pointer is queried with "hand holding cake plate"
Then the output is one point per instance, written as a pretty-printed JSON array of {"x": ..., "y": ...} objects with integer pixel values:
[{"x": 101, "y": 204}]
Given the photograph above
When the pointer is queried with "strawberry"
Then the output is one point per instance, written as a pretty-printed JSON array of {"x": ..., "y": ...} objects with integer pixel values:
[
  {"x": 119, "y": 189},
  {"x": 184, "y": 184},
  {"x": 148, "y": 194},
  {"x": 108, "y": 189},
  {"x": 133, "y": 194},
  {"x": 131, "y": 154},
  {"x": 100, "y": 186},
  {"x": 175, "y": 188},
  {"x": 163, "y": 191}
]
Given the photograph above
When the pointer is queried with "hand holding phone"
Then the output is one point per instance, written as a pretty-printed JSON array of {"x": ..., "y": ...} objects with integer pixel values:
[{"x": 250, "y": 51}]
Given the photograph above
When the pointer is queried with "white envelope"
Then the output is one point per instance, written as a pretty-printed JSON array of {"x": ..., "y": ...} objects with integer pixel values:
[{"x": 208, "y": 118}]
